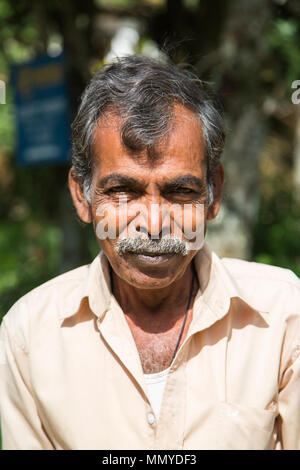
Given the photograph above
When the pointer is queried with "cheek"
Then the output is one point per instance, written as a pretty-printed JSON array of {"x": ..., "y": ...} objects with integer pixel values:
[
  {"x": 115, "y": 221},
  {"x": 190, "y": 221},
  {"x": 108, "y": 221}
]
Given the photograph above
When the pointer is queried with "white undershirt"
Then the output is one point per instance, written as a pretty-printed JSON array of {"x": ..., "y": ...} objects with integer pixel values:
[{"x": 155, "y": 386}]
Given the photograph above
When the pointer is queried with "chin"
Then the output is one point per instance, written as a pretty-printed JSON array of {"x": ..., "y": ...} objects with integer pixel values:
[
  {"x": 148, "y": 274},
  {"x": 145, "y": 281}
]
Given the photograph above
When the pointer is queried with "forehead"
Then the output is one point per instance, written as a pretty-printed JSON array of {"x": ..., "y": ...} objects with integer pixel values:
[{"x": 181, "y": 149}]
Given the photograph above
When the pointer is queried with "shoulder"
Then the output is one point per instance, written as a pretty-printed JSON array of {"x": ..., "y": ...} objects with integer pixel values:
[
  {"x": 46, "y": 299},
  {"x": 259, "y": 271},
  {"x": 264, "y": 285},
  {"x": 244, "y": 268}
]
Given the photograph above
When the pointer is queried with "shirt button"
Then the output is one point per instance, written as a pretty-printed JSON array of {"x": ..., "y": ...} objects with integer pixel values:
[{"x": 150, "y": 418}]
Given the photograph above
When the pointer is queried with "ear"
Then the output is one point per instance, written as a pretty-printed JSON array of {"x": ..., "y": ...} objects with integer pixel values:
[
  {"x": 218, "y": 182},
  {"x": 82, "y": 206}
]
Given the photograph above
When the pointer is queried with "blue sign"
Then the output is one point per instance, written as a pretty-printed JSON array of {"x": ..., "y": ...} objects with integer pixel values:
[{"x": 42, "y": 111}]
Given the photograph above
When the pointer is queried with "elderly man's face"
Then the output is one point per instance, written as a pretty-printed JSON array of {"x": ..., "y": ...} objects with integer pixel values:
[{"x": 177, "y": 177}]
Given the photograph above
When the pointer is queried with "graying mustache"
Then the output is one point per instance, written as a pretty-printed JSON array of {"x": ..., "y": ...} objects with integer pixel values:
[{"x": 167, "y": 245}]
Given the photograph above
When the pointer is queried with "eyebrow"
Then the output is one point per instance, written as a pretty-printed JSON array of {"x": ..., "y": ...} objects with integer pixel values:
[
  {"x": 168, "y": 185},
  {"x": 184, "y": 180},
  {"x": 118, "y": 178}
]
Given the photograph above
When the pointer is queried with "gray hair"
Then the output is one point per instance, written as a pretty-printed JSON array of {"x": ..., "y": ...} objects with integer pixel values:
[{"x": 143, "y": 92}]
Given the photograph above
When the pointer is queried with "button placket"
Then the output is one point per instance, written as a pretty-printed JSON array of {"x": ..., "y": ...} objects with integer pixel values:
[{"x": 151, "y": 418}]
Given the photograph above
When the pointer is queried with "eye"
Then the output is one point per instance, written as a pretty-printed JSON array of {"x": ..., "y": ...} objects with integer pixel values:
[
  {"x": 181, "y": 194},
  {"x": 119, "y": 189},
  {"x": 182, "y": 190}
]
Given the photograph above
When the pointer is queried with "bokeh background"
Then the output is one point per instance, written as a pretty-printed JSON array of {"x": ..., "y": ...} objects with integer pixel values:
[{"x": 247, "y": 50}]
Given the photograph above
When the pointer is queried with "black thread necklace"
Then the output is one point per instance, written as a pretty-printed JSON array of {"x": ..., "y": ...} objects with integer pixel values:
[{"x": 185, "y": 317}]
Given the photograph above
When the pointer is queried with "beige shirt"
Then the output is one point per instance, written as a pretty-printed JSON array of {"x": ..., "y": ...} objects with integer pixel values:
[{"x": 71, "y": 377}]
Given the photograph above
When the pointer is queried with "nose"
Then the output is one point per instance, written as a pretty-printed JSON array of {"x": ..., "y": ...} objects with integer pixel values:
[{"x": 154, "y": 223}]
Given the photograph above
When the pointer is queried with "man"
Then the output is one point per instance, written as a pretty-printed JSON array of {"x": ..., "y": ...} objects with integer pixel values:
[{"x": 158, "y": 343}]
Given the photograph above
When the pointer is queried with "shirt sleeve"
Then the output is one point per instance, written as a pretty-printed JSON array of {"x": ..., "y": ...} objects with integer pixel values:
[
  {"x": 289, "y": 400},
  {"x": 21, "y": 426}
]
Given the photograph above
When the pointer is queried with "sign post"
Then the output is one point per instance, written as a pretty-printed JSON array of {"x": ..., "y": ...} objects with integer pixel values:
[{"x": 42, "y": 111}]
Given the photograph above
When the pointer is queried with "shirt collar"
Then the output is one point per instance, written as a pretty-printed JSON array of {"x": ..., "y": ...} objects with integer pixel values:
[
  {"x": 96, "y": 287},
  {"x": 217, "y": 288}
]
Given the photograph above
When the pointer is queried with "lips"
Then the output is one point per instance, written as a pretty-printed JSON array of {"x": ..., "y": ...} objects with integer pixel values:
[
  {"x": 152, "y": 258},
  {"x": 147, "y": 253}
]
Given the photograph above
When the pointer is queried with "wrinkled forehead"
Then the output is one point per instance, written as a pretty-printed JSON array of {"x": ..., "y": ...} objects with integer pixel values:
[{"x": 115, "y": 141}]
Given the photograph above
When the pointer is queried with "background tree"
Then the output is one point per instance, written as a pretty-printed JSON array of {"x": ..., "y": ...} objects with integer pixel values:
[{"x": 247, "y": 50}]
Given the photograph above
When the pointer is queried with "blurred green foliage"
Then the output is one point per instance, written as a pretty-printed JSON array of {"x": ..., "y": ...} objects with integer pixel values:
[
  {"x": 7, "y": 134},
  {"x": 34, "y": 258},
  {"x": 31, "y": 224},
  {"x": 277, "y": 233},
  {"x": 283, "y": 38},
  {"x": 34, "y": 227}
]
